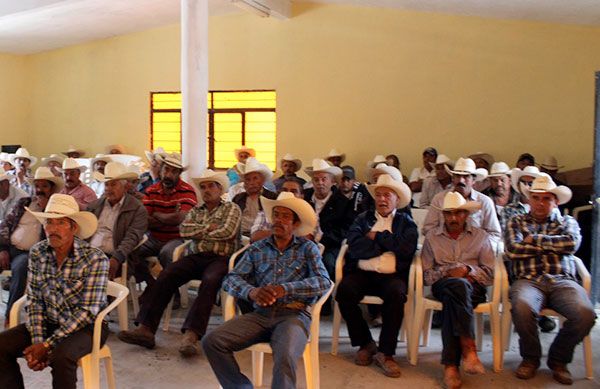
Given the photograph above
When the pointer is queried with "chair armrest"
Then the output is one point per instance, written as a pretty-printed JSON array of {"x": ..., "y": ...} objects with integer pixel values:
[
  {"x": 179, "y": 250},
  {"x": 315, "y": 313},
  {"x": 15, "y": 310},
  {"x": 498, "y": 278},
  {"x": 119, "y": 292},
  {"x": 418, "y": 277},
  {"x": 412, "y": 273},
  {"x": 340, "y": 261},
  {"x": 228, "y": 307},
  {"x": 584, "y": 274}
]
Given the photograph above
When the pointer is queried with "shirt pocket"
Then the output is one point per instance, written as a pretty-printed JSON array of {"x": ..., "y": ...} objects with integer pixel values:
[{"x": 72, "y": 289}]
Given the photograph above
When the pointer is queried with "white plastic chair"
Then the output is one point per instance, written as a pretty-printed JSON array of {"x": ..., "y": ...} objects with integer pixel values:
[
  {"x": 507, "y": 318},
  {"x": 90, "y": 363},
  {"x": 311, "y": 352},
  {"x": 424, "y": 307},
  {"x": 418, "y": 215}
]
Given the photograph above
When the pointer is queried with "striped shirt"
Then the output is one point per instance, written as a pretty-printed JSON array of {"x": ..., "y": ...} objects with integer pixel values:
[
  {"x": 298, "y": 269},
  {"x": 70, "y": 296},
  {"x": 223, "y": 238},
  {"x": 550, "y": 255},
  {"x": 157, "y": 200}
]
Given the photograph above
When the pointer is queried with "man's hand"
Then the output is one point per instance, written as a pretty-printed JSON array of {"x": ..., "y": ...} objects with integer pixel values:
[
  {"x": 277, "y": 290},
  {"x": 528, "y": 239},
  {"x": 36, "y": 356},
  {"x": 371, "y": 235},
  {"x": 115, "y": 265},
  {"x": 458, "y": 272},
  {"x": 267, "y": 295},
  {"x": 212, "y": 227},
  {"x": 4, "y": 260}
]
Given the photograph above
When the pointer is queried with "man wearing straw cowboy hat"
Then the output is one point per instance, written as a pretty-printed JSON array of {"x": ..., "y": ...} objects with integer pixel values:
[
  {"x": 283, "y": 275},
  {"x": 540, "y": 245},
  {"x": 242, "y": 154},
  {"x": 289, "y": 166},
  {"x": 382, "y": 243},
  {"x": 20, "y": 231},
  {"x": 458, "y": 262},
  {"x": 22, "y": 162},
  {"x": 440, "y": 181},
  {"x": 9, "y": 194},
  {"x": 214, "y": 230},
  {"x": 66, "y": 289},
  {"x": 83, "y": 194},
  {"x": 500, "y": 190}
]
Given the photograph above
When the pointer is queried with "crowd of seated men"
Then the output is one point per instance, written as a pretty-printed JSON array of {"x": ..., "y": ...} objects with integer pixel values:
[{"x": 70, "y": 225}]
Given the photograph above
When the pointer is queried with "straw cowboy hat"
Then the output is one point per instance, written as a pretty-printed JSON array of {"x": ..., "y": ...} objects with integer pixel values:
[
  {"x": 73, "y": 149},
  {"x": 376, "y": 161},
  {"x": 250, "y": 151},
  {"x": 52, "y": 158},
  {"x": 382, "y": 168},
  {"x": 499, "y": 169},
  {"x": 171, "y": 160},
  {"x": 335, "y": 153},
  {"x": 22, "y": 153},
  {"x": 321, "y": 165},
  {"x": 517, "y": 173},
  {"x": 443, "y": 159},
  {"x": 125, "y": 159},
  {"x": 401, "y": 189},
  {"x": 100, "y": 157},
  {"x": 543, "y": 184},
  {"x": 455, "y": 201},
  {"x": 62, "y": 205},
  {"x": 489, "y": 158},
  {"x": 72, "y": 163},
  {"x": 466, "y": 166},
  {"x": 152, "y": 154},
  {"x": 306, "y": 214},
  {"x": 114, "y": 171},
  {"x": 210, "y": 175},
  {"x": 5, "y": 157},
  {"x": 44, "y": 173},
  {"x": 550, "y": 163},
  {"x": 290, "y": 158},
  {"x": 118, "y": 147},
  {"x": 252, "y": 165}
]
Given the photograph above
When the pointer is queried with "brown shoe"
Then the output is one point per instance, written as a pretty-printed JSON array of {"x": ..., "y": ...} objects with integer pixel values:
[
  {"x": 388, "y": 364},
  {"x": 526, "y": 369},
  {"x": 364, "y": 356},
  {"x": 189, "y": 344},
  {"x": 140, "y": 336},
  {"x": 452, "y": 377},
  {"x": 560, "y": 373}
]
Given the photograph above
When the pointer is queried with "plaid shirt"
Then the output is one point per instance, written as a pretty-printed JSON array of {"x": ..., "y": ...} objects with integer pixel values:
[
  {"x": 223, "y": 240},
  {"x": 69, "y": 297},
  {"x": 298, "y": 269},
  {"x": 550, "y": 253}
]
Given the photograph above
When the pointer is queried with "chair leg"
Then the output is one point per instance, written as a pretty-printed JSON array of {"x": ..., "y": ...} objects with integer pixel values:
[
  {"x": 506, "y": 327},
  {"x": 427, "y": 327},
  {"x": 415, "y": 333},
  {"x": 110, "y": 375},
  {"x": 91, "y": 376},
  {"x": 167, "y": 316},
  {"x": 183, "y": 292},
  {"x": 478, "y": 330},
  {"x": 497, "y": 347},
  {"x": 123, "y": 315},
  {"x": 133, "y": 292},
  {"x": 587, "y": 357},
  {"x": 258, "y": 361},
  {"x": 335, "y": 328},
  {"x": 309, "y": 368}
]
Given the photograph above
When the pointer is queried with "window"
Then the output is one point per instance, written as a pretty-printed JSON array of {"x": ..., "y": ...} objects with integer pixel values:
[{"x": 234, "y": 118}]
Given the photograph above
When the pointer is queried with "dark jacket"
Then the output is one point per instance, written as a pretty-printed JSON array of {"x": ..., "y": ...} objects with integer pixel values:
[
  {"x": 402, "y": 241},
  {"x": 130, "y": 226},
  {"x": 240, "y": 198},
  {"x": 335, "y": 218}
]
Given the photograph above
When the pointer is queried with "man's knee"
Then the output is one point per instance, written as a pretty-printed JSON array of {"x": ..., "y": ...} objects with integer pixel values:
[
  {"x": 347, "y": 292},
  {"x": 584, "y": 319},
  {"x": 395, "y": 292},
  {"x": 215, "y": 341}
]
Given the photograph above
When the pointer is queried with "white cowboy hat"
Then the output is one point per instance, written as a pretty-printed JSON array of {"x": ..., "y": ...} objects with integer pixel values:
[
  {"x": 550, "y": 163},
  {"x": 117, "y": 147},
  {"x": 171, "y": 160},
  {"x": 517, "y": 173},
  {"x": 442, "y": 159},
  {"x": 4, "y": 175},
  {"x": 73, "y": 149},
  {"x": 290, "y": 158},
  {"x": 489, "y": 158},
  {"x": 100, "y": 157},
  {"x": 321, "y": 165},
  {"x": 150, "y": 155},
  {"x": 210, "y": 175},
  {"x": 5, "y": 157},
  {"x": 335, "y": 153},
  {"x": 52, "y": 158},
  {"x": 306, "y": 214},
  {"x": 466, "y": 166},
  {"x": 125, "y": 159},
  {"x": 44, "y": 173},
  {"x": 244, "y": 149},
  {"x": 62, "y": 205},
  {"x": 382, "y": 168},
  {"x": 252, "y": 165},
  {"x": 114, "y": 171},
  {"x": 499, "y": 169},
  {"x": 71, "y": 163},
  {"x": 543, "y": 184},
  {"x": 22, "y": 153},
  {"x": 376, "y": 161},
  {"x": 401, "y": 189},
  {"x": 455, "y": 201}
]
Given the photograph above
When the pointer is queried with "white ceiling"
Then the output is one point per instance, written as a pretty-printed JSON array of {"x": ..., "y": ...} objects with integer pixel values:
[{"x": 31, "y": 26}]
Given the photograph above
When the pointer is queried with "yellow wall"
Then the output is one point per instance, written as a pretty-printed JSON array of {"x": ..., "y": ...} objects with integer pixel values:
[
  {"x": 366, "y": 81},
  {"x": 13, "y": 100}
]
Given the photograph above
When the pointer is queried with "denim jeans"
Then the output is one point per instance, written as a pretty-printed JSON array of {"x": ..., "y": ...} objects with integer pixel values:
[
  {"x": 564, "y": 296},
  {"x": 286, "y": 330},
  {"x": 18, "y": 279}
]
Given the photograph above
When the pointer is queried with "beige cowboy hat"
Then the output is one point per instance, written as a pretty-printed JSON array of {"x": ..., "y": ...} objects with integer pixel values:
[
  {"x": 44, "y": 173},
  {"x": 443, "y": 159},
  {"x": 517, "y": 173},
  {"x": 210, "y": 175},
  {"x": 5, "y": 157},
  {"x": 24, "y": 154},
  {"x": 382, "y": 168},
  {"x": 120, "y": 148},
  {"x": 551, "y": 163},
  {"x": 114, "y": 171},
  {"x": 499, "y": 169},
  {"x": 306, "y": 214},
  {"x": 543, "y": 184},
  {"x": 73, "y": 149},
  {"x": 151, "y": 155},
  {"x": 125, "y": 159},
  {"x": 72, "y": 163},
  {"x": 455, "y": 201},
  {"x": 62, "y": 205},
  {"x": 290, "y": 158},
  {"x": 52, "y": 158},
  {"x": 252, "y": 165},
  {"x": 172, "y": 160},
  {"x": 401, "y": 189},
  {"x": 100, "y": 157},
  {"x": 489, "y": 158},
  {"x": 251, "y": 152},
  {"x": 466, "y": 166},
  {"x": 321, "y": 165},
  {"x": 376, "y": 161},
  {"x": 335, "y": 153}
]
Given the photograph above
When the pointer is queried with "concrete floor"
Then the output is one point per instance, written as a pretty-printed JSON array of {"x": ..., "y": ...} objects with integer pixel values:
[{"x": 137, "y": 368}]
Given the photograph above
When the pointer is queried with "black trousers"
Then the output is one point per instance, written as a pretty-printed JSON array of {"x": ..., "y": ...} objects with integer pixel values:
[
  {"x": 207, "y": 267},
  {"x": 459, "y": 297},
  {"x": 63, "y": 358},
  {"x": 391, "y": 289}
]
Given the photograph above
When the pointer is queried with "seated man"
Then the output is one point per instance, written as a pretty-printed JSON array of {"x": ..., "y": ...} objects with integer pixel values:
[
  {"x": 540, "y": 245},
  {"x": 458, "y": 262},
  {"x": 83, "y": 194},
  {"x": 73, "y": 152},
  {"x": 98, "y": 164},
  {"x": 335, "y": 158},
  {"x": 242, "y": 154},
  {"x": 500, "y": 190},
  {"x": 419, "y": 174},
  {"x": 54, "y": 163},
  {"x": 355, "y": 191},
  {"x": 66, "y": 290},
  {"x": 152, "y": 176},
  {"x": 23, "y": 163},
  {"x": 214, "y": 228},
  {"x": 122, "y": 219},
  {"x": 283, "y": 275},
  {"x": 440, "y": 181},
  {"x": 289, "y": 167},
  {"x": 10, "y": 195},
  {"x": 382, "y": 244}
]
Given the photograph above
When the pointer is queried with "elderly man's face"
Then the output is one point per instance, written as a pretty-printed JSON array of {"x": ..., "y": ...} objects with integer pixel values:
[
  {"x": 283, "y": 221},
  {"x": 243, "y": 156},
  {"x": 22, "y": 163},
  {"x": 335, "y": 161},
  {"x": 440, "y": 172},
  {"x": 455, "y": 220},
  {"x": 463, "y": 184},
  {"x": 43, "y": 190},
  {"x": 322, "y": 183},
  {"x": 169, "y": 176},
  {"x": 99, "y": 166},
  {"x": 500, "y": 184},
  {"x": 542, "y": 205},
  {"x": 71, "y": 177},
  {"x": 114, "y": 190},
  {"x": 288, "y": 168},
  {"x": 293, "y": 187},
  {"x": 253, "y": 182},
  {"x": 60, "y": 232},
  {"x": 346, "y": 185},
  {"x": 211, "y": 192},
  {"x": 481, "y": 163},
  {"x": 386, "y": 200}
]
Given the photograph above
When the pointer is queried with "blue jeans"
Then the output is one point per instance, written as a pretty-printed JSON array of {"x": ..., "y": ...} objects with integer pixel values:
[
  {"x": 564, "y": 296},
  {"x": 18, "y": 279},
  {"x": 286, "y": 330}
]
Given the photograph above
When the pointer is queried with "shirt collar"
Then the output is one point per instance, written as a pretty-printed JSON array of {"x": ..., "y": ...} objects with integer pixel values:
[
  {"x": 441, "y": 229},
  {"x": 378, "y": 216},
  {"x": 271, "y": 241}
]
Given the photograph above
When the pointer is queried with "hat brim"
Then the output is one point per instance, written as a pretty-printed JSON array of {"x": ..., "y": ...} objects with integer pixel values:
[
  {"x": 516, "y": 175},
  {"x": 334, "y": 170},
  {"x": 306, "y": 214},
  {"x": 221, "y": 179},
  {"x": 296, "y": 162},
  {"x": 251, "y": 152},
  {"x": 470, "y": 206},
  {"x": 266, "y": 173},
  {"x": 82, "y": 169},
  {"x": 563, "y": 194},
  {"x": 485, "y": 156},
  {"x": 342, "y": 157},
  {"x": 171, "y": 163},
  {"x": 45, "y": 161},
  {"x": 32, "y": 160},
  {"x": 548, "y": 167},
  {"x": 123, "y": 176},
  {"x": 447, "y": 163},
  {"x": 87, "y": 221},
  {"x": 393, "y": 172},
  {"x": 478, "y": 173},
  {"x": 58, "y": 182},
  {"x": 399, "y": 187}
]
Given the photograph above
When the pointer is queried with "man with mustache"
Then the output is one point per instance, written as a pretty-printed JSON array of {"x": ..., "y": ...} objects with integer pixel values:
[
  {"x": 22, "y": 162},
  {"x": 500, "y": 190},
  {"x": 83, "y": 194},
  {"x": 9, "y": 194},
  {"x": 20, "y": 230}
]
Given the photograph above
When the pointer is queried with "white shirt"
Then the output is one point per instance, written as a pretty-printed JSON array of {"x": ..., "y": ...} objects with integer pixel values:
[
  {"x": 103, "y": 238},
  {"x": 319, "y": 204},
  {"x": 7, "y": 205},
  {"x": 383, "y": 223},
  {"x": 28, "y": 231}
]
